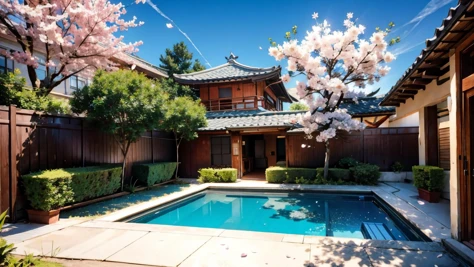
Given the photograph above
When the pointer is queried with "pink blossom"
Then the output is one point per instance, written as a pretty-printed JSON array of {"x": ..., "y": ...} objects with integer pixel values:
[
  {"x": 285, "y": 78},
  {"x": 323, "y": 53}
]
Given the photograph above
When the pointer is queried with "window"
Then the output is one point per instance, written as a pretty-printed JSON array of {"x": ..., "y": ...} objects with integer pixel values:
[
  {"x": 225, "y": 92},
  {"x": 270, "y": 103},
  {"x": 41, "y": 71},
  {"x": 220, "y": 151},
  {"x": 6, "y": 64},
  {"x": 76, "y": 82}
]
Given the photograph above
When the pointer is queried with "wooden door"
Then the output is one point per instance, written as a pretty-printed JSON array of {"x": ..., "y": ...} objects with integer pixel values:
[{"x": 467, "y": 183}]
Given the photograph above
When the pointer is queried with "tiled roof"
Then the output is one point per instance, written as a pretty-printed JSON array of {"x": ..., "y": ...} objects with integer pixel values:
[
  {"x": 224, "y": 120},
  {"x": 367, "y": 106},
  {"x": 435, "y": 54},
  {"x": 230, "y": 71}
]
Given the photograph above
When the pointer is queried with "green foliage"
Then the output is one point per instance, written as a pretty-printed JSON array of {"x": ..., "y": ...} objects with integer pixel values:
[
  {"x": 430, "y": 178},
  {"x": 210, "y": 175},
  {"x": 122, "y": 103},
  {"x": 183, "y": 116},
  {"x": 347, "y": 163},
  {"x": 298, "y": 106},
  {"x": 335, "y": 175},
  {"x": 5, "y": 248},
  {"x": 13, "y": 92},
  {"x": 150, "y": 174},
  {"x": 52, "y": 189},
  {"x": 365, "y": 174},
  {"x": 179, "y": 60},
  {"x": 280, "y": 175},
  {"x": 397, "y": 167},
  {"x": 175, "y": 89}
]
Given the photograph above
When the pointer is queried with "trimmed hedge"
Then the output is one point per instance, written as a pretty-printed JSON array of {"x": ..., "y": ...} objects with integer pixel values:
[
  {"x": 52, "y": 189},
  {"x": 280, "y": 175},
  {"x": 210, "y": 175},
  {"x": 365, "y": 174},
  {"x": 150, "y": 174},
  {"x": 430, "y": 178},
  {"x": 346, "y": 163}
]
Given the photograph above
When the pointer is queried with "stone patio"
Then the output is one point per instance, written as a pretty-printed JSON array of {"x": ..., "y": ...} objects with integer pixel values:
[{"x": 103, "y": 240}]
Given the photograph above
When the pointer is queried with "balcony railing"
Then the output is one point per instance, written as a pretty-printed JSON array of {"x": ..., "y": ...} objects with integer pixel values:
[{"x": 238, "y": 103}]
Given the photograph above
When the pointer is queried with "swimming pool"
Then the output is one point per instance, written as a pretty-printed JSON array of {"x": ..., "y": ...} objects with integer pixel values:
[{"x": 304, "y": 213}]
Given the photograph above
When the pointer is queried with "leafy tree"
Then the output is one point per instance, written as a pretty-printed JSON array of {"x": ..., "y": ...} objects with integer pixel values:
[
  {"x": 123, "y": 103},
  {"x": 175, "y": 89},
  {"x": 183, "y": 116},
  {"x": 13, "y": 91},
  {"x": 298, "y": 106},
  {"x": 76, "y": 37},
  {"x": 179, "y": 60}
]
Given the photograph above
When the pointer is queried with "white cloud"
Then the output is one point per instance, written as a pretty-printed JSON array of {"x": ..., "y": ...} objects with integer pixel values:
[{"x": 430, "y": 8}]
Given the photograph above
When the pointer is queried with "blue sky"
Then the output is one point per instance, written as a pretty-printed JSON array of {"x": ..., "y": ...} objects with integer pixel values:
[{"x": 218, "y": 27}]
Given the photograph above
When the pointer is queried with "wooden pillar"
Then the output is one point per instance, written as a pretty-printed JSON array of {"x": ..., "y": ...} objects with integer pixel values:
[
  {"x": 13, "y": 179},
  {"x": 287, "y": 147},
  {"x": 83, "y": 158},
  {"x": 431, "y": 135}
]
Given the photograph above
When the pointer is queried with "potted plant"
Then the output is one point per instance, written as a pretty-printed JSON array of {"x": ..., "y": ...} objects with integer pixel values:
[{"x": 429, "y": 181}]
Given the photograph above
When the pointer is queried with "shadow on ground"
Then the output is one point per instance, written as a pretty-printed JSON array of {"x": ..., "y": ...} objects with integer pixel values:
[{"x": 107, "y": 206}]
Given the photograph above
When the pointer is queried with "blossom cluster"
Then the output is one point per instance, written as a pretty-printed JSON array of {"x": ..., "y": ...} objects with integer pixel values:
[
  {"x": 332, "y": 61},
  {"x": 74, "y": 35}
]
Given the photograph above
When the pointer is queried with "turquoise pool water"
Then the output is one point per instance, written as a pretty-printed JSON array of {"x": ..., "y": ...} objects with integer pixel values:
[{"x": 290, "y": 213}]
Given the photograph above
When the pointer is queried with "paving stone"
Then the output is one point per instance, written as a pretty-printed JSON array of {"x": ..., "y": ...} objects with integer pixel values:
[
  {"x": 398, "y": 258},
  {"x": 102, "y": 245},
  {"x": 330, "y": 241},
  {"x": 162, "y": 249},
  {"x": 252, "y": 235},
  {"x": 53, "y": 243},
  {"x": 293, "y": 238},
  {"x": 233, "y": 252},
  {"x": 338, "y": 256}
]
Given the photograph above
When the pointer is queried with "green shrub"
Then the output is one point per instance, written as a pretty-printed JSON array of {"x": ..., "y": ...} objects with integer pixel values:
[
  {"x": 397, "y": 167},
  {"x": 346, "y": 163},
  {"x": 335, "y": 176},
  {"x": 430, "y": 178},
  {"x": 365, "y": 174},
  {"x": 150, "y": 174},
  {"x": 52, "y": 189},
  {"x": 210, "y": 175},
  {"x": 280, "y": 175}
]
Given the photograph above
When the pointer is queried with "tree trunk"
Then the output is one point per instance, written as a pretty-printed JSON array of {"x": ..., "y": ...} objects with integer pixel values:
[
  {"x": 326, "y": 161},
  {"x": 178, "y": 142},
  {"x": 123, "y": 169}
]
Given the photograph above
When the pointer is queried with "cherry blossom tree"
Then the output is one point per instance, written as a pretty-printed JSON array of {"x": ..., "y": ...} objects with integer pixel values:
[
  {"x": 66, "y": 36},
  {"x": 332, "y": 61}
]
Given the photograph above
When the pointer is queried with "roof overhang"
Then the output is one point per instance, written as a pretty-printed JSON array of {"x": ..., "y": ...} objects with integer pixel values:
[
  {"x": 255, "y": 78},
  {"x": 431, "y": 63}
]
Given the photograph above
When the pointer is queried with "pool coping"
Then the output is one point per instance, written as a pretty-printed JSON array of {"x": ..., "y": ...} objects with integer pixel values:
[{"x": 429, "y": 226}]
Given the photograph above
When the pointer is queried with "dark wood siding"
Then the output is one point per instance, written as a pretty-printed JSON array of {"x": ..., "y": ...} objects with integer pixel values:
[
  {"x": 49, "y": 142},
  {"x": 382, "y": 146}
]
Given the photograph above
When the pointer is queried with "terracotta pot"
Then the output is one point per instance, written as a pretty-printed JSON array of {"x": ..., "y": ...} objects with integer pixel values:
[
  {"x": 432, "y": 197},
  {"x": 43, "y": 217}
]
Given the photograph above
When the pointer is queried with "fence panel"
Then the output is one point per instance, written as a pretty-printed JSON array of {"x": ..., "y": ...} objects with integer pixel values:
[
  {"x": 43, "y": 142},
  {"x": 381, "y": 146}
]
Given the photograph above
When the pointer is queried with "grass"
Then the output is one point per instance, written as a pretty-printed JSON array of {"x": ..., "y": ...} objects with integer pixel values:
[{"x": 111, "y": 205}]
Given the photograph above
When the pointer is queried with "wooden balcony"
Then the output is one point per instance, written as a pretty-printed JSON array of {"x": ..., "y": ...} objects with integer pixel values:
[{"x": 238, "y": 103}]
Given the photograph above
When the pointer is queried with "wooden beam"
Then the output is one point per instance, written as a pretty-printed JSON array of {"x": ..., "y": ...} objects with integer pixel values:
[
  {"x": 413, "y": 86},
  {"x": 410, "y": 92},
  {"x": 416, "y": 80}
]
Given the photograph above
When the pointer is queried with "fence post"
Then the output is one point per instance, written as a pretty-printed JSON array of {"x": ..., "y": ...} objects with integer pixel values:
[
  {"x": 83, "y": 160},
  {"x": 152, "y": 148},
  {"x": 12, "y": 155}
]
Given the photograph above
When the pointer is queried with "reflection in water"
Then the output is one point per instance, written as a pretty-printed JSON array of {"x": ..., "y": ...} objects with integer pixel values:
[{"x": 308, "y": 214}]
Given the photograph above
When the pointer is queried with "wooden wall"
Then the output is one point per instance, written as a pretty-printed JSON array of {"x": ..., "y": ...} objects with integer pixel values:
[
  {"x": 194, "y": 155},
  {"x": 49, "y": 142},
  {"x": 381, "y": 146},
  {"x": 239, "y": 89}
]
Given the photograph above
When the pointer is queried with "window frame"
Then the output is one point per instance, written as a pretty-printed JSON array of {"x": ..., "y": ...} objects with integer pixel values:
[{"x": 4, "y": 68}]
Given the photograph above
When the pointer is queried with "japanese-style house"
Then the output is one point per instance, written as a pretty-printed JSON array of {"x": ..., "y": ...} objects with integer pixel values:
[
  {"x": 247, "y": 127},
  {"x": 438, "y": 91}
]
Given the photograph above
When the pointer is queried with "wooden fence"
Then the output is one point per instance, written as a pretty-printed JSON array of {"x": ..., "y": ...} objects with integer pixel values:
[
  {"x": 33, "y": 142},
  {"x": 381, "y": 146}
]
